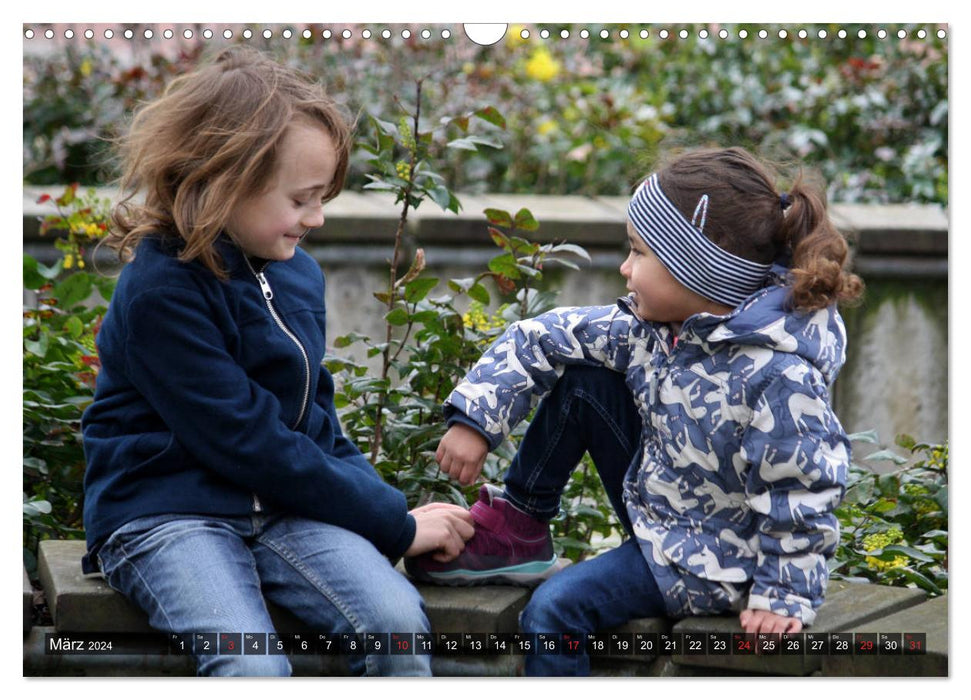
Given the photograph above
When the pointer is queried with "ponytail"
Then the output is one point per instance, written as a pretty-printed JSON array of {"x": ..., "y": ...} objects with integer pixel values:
[
  {"x": 819, "y": 252},
  {"x": 748, "y": 217}
]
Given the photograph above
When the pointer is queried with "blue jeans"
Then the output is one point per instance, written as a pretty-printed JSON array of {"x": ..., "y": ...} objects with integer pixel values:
[
  {"x": 204, "y": 574},
  {"x": 589, "y": 410}
]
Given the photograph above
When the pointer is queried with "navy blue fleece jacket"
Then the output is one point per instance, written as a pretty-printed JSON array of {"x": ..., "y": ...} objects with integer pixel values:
[{"x": 212, "y": 400}]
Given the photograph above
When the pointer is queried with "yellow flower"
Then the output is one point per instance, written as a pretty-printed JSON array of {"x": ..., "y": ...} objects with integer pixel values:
[
  {"x": 476, "y": 319},
  {"x": 547, "y": 127},
  {"x": 542, "y": 66},
  {"x": 922, "y": 502},
  {"x": 514, "y": 35},
  {"x": 86, "y": 67},
  {"x": 880, "y": 540},
  {"x": 81, "y": 263},
  {"x": 881, "y": 565},
  {"x": 939, "y": 456},
  {"x": 68, "y": 261}
]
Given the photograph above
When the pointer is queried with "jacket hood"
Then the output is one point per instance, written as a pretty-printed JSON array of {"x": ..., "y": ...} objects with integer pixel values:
[{"x": 764, "y": 320}]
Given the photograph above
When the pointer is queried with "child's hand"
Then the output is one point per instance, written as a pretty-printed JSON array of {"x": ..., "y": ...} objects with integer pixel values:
[
  {"x": 755, "y": 621},
  {"x": 442, "y": 528},
  {"x": 461, "y": 453}
]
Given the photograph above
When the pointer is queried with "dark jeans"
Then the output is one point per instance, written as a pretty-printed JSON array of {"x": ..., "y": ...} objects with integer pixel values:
[{"x": 589, "y": 410}]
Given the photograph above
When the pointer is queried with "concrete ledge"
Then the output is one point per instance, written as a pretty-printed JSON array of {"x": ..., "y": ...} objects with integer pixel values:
[
  {"x": 87, "y": 604},
  {"x": 37, "y": 663},
  {"x": 847, "y": 606},
  {"x": 478, "y": 610},
  {"x": 363, "y": 218},
  {"x": 929, "y": 618},
  {"x": 81, "y": 604},
  {"x": 893, "y": 229}
]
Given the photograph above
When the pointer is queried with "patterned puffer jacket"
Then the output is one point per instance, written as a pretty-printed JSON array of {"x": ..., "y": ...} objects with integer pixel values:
[{"x": 742, "y": 459}]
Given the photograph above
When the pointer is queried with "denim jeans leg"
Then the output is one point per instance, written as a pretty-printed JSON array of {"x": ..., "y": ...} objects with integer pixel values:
[
  {"x": 337, "y": 581},
  {"x": 192, "y": 574},
  {"x": 589, "y": 410},
  {"x": 587, "y": 597}
]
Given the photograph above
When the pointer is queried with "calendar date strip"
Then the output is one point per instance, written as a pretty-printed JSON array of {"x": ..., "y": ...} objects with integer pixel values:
[{"x": 481, "y": 644}]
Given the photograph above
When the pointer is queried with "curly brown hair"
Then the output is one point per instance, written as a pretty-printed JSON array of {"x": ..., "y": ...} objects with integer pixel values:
[
  {"x": 748, "y": 217},
  {"x": 211, "y": 140}
]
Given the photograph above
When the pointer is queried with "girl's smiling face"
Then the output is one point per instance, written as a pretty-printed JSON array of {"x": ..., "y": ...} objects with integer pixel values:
[
  {"x": 657, "y": 295},
  {"x": 269, "y": 225}
]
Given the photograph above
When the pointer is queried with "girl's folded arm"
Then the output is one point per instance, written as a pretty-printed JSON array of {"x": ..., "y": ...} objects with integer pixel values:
[{"x": 177, "y": 357}]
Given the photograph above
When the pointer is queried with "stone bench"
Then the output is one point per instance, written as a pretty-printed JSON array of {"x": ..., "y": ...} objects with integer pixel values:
[{"x": 80, "y": 604}]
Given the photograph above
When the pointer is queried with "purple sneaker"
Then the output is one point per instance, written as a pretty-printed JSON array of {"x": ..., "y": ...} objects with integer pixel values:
[{"x": 509, "y": 546}]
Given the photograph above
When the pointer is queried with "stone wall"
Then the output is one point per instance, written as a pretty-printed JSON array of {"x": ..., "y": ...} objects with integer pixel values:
[
  {"x": 852, "y": 612},
  {"x": 896, "y": 376}
]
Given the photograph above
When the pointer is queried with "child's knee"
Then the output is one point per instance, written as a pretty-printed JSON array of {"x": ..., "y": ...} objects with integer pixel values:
[
  {"x": 400, "y": 609},
  {"x": 547, "y": 610}
]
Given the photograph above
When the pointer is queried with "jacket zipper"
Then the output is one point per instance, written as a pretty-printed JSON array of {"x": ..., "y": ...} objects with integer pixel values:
[{"x": 268, "y": 298}]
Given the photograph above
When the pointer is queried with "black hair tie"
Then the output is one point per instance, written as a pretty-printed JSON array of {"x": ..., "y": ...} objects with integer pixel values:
[{"x": 785, "y": 200}]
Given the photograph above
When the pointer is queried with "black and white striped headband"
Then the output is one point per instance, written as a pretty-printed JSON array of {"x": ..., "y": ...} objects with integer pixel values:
[{"x": 683, "y": 249}]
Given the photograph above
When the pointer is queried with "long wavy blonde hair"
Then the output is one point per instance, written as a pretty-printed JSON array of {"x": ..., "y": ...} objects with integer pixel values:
[{"x": 209, "y": 141}]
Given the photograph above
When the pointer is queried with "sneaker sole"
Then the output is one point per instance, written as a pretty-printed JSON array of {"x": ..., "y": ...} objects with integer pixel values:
[{"x": 531, "y": 574}]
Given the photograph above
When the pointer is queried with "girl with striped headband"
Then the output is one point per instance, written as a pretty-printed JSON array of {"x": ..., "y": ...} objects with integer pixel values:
[{"x": 703, "y": 400}]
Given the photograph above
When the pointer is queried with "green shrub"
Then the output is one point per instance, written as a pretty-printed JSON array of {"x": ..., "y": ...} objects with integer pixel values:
[
  {"x": 584, "y": 115},
  {"x": 894, "y": 524},
  {"x": 60, "y": 363},
  {"x": 76, "y": 100},
  {"x": 394, "y": 415}
]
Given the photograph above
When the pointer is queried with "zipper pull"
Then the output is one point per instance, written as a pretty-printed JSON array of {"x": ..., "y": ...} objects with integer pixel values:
[{"x": 264, "y": 285}]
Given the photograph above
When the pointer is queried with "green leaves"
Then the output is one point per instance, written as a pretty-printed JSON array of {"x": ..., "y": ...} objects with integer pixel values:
[
  {"x": 479, "y": 293},
  {"x": 35, "y": 507},
  {"x": 472, "y": 143},
  {"x": 870, "y": 114},
  {"x": 74, "y": 289},
  {"x": 418, "y": 289},
  {"x": 391, "y": 407},
  {"x": 60, "y": 319},
  {"x": 403, "y": 156},
  {"x": 894, "y": 524},
  {"x": 523, "y": 220},
  {"x": 36, "y": 274},
  {"x": 487, "y": 114},
  {"x": 472, "y": 287},
  {"x": 397, "y": 316}
]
